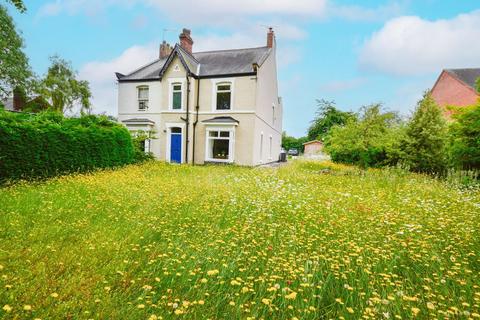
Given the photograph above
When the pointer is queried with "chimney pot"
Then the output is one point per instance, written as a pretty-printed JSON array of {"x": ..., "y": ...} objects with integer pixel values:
[
  {"x": 186, "y": 41},
  {"x": 165, "y": 49}
]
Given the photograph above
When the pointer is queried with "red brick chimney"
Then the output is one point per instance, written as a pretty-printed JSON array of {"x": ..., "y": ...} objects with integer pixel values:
[
  {"x": 186, "y": 41},
  {"x": 270, "y": 38},
  {"x": 165, "y": 50},
  {"x": 19, "y": 98}
]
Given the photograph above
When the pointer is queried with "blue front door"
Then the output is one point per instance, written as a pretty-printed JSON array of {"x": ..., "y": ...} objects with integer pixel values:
[{"x": 176, "y": 147}]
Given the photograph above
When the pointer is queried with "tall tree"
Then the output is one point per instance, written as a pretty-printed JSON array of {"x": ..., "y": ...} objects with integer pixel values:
[
  {"x": 326, "y": 117},
  {"x": 19, "y": 5},
  {"x": 464, "y": 139},
  {"x": 366, "y": 141},
  {"x": 424, "y": 145},
  {"x": 14, "y": 68},
  {"x": 62, "y": 88}
]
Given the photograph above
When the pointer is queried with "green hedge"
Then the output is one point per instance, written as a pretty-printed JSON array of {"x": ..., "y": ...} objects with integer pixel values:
[{"x": 48, "y": 144}]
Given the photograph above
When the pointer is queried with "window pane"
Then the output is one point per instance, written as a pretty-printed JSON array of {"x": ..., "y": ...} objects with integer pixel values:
[
  {"x": 177, "y": 100},
  {"x": 224, "y": 134},
  {"x": 143, "y": 93},
  {"x": 177, "y": 87},
  {"x": 220, "y": 149},
  {"x": 224, "y": 87},
  {"x": 176, "y": 130},
  {"x": 213, "y": 133},
  {"x": 142, "y": 104},
  {"x": 223, "y": 100}
]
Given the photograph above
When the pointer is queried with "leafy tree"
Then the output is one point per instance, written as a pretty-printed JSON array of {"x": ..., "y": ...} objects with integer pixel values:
[
  {"x": 367, "y": 141},
  {"x": 464, "y": 139},
  {"x": 61, "y": 87},
  {"x": 424, "y": 144},
  {"x": 289, "y": 142},
  {"x": 477, "y": 84},
  {"x": 326, "y": 117},
  {"x": 14, "y": 68},
  {"x": 19, "y": 5}
]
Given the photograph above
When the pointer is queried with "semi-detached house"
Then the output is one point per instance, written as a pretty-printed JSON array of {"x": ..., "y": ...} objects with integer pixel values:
[{"x": 206, "y": 107}]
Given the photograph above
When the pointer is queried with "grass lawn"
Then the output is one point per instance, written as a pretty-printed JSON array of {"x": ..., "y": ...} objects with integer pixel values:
[{"x": 160, "y": 241}]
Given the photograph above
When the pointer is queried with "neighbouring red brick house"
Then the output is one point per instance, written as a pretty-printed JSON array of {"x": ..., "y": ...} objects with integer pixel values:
[{"x": 456, "y": 87}]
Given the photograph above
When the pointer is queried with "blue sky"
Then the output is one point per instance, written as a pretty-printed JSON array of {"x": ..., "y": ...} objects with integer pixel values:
[{"x": 353, "y": 52}]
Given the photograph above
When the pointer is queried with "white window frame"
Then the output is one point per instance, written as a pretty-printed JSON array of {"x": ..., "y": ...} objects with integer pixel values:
[
  {"x": 273, "y": 114},
  {"x": 270, "y": 151},
  {"x": 169, "y": 126},
  {"x": 231, "y": 146},
  {"x": 171, "y": 83},
  {"x": 261, "y": 147},
  {"x": 139, "y": 100},
  {"x": 215, "y": 84}
]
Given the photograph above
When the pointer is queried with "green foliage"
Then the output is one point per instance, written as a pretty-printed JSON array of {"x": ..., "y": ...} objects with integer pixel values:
[
  {"x": 14, "y": 68},
  {"x": 370, "y": 140},
  {"x": 139, "y": 139},
  {"x": 424, "y": 147},
  {"x": 477, "y": 84},
  {"x": 327, "y": 116},
  {"x": 311, "y": 241},
  {"x": 48, "y": 144},
  {"x": 464, "y": 139},
  {"x": 19, "y": 5},
  {"x": 289, "y": 142},
  {"x": 62, "y": 87}
]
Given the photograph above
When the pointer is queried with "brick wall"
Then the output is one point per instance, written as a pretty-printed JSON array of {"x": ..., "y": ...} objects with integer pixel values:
[{"x": 450, "y": 91}]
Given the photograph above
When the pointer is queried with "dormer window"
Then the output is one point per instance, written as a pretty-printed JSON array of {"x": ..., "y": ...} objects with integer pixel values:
[
  {"x": 142, "y": 98},
  {"x": 176, "y": 96},
  {"x": 224, "y": 96}
]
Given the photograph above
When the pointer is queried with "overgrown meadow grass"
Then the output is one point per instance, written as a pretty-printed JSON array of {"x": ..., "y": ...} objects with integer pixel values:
[{"x": 306, "y": 241}]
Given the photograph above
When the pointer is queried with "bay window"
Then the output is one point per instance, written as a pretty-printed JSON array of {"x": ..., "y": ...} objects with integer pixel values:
[{"x": 219, "y": 146}]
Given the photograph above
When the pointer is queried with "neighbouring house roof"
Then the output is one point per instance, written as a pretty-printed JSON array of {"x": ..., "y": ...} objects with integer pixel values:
[
  {"x": 468, "y": 76},
  {"x": 139, "y": 121},
  {"x": 222, "y": 120},
  {"x": 203, "y": 64},
  {"x": 313, "y": 141}
]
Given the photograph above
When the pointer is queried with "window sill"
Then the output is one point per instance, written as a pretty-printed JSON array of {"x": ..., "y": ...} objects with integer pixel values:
[{"x": 219, "y": 160}]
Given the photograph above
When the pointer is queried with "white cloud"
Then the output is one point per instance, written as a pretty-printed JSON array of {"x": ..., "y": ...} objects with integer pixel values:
[
  {"x": 410, "y": 45},
  {"x": 101, "y": 75},
  {"x": 359, "y": 13}
]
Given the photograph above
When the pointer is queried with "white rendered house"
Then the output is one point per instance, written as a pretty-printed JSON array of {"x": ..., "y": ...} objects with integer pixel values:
[{"x": 204, "y": 107}]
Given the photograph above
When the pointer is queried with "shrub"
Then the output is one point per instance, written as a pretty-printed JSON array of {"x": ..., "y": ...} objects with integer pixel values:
[
  {"x": 464, "y": 139},
  {"x": 48, "y": 144},
  {"x": 424, "y": 144},
  {"x": 367, "y": 141}
]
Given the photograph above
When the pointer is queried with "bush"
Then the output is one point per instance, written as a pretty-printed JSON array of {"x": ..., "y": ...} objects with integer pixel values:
[
  {"x": 464, "y": 140},
  {"x": 369, "y": 141},
  {"x": 48, "y": 144}
]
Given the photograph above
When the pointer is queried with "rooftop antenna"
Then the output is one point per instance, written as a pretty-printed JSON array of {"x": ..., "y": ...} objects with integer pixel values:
[
  {"x": 270, "y": 27},
  {"x": 167, "y": 30}
]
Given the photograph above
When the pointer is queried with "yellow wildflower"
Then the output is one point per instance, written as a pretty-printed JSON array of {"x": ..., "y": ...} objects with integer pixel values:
[{"x": 291, "y": 296}]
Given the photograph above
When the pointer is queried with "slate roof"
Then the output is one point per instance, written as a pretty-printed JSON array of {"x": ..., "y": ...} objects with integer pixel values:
[
  {"x": 221, "y": 120},
  {"x": 467, "y": 76},
  {"x": 203, "y": 64}
]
